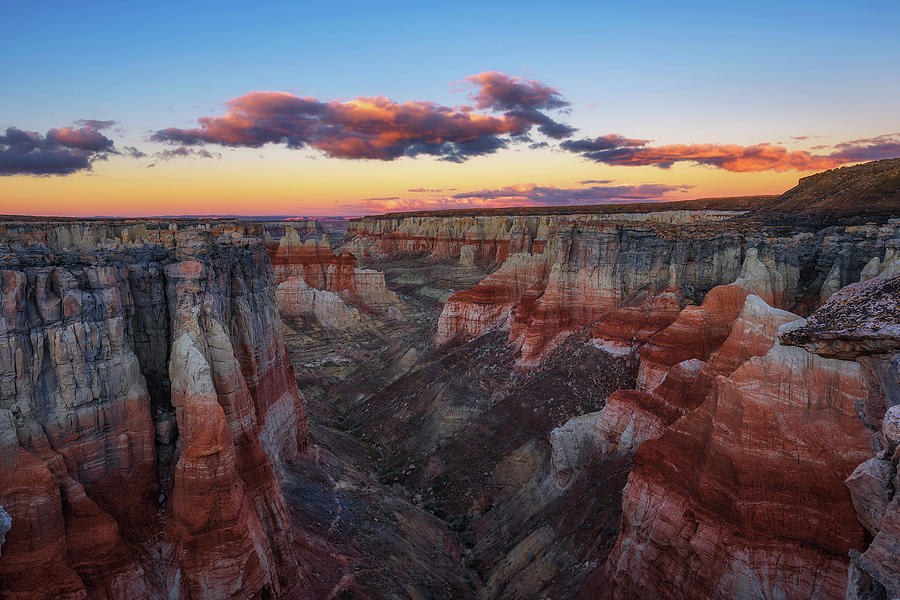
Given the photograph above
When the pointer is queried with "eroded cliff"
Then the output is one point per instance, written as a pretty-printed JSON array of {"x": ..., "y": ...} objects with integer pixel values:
[{"x": 147, "y": 408}]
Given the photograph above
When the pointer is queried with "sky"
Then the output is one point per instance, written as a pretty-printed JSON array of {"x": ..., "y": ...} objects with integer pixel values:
[{"x": 316, "y": 109}]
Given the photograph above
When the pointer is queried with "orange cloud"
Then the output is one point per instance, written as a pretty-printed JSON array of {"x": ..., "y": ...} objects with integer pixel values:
[
  {"x": 529, "y": 194},
  {"x": 379, "y": 128},
  {"x": 617, "y": 150}
]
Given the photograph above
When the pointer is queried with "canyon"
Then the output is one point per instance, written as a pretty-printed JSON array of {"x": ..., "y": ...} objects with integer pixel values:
[{"x": 674, "y": 400}]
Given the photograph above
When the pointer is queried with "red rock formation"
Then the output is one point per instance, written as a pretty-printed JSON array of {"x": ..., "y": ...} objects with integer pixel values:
[
  {"x": 744, "y": 497},
  {"x": 313, "y": 261},
  {"x": 696, "y": 333},
  {"x": 315, "y": 264},
  {"x": 471, "y": 312},
  {"x": 862, "y": 322},
  {"x": 631, "y": 417},
  {"x": 633, "y": 324},
  {"x": 85, "y": 440}
]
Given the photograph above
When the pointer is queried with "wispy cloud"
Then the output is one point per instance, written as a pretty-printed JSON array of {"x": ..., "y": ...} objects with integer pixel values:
[
  {"x": 95, "y": 123},
  {"x": 614, "y": 149},
  {"x": 183, "y": 152},
  {"x": 530, "y": 194}
]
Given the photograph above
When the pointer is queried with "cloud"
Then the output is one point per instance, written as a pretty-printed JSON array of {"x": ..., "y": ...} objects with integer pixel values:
[
  {"x": 618, "y": 150},
  {"x": 95, "y": 124},
  {"x": 521, "y": 99},
  {"x": 529, "y": 194},
  {"x": 59, "y": 152},
  {"x": 425, "y": 190},
  {"x": 379, "y": 128},
  {"x": 554, "y": 196},
  {"x": 875, "y": 148},
  {"x": 183, "y": 152},
  {"x": 133, "y": 152},
  {"x": 84, "y": 138}
]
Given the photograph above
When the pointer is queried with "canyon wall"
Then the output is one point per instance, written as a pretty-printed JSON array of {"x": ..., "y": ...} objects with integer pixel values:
[
  {"x": 572, "y": 273},
  {"x": 147, "y": 407},
  {"x": 861, "y": 323},
  {"x": 488, "y": 239},
  {"x": 742, "y": 445},
  {"x": 740, "y": 442}
]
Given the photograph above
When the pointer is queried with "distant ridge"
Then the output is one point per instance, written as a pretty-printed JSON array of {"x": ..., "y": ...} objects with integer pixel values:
[
  {"x": 871, "y": 188},
  {"x": 735, "y": 203}
]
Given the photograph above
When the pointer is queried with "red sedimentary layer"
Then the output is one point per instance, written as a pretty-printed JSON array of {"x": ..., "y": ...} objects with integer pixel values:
[
  {"x": 737, "y": 489},
  {"x": 744, "y": 495},
  {"x": 93, "y": 512},
  {"x": 320, "y": 268},
  {"x": 471, "y": 312},
  {"x": 697, "y": 332}
]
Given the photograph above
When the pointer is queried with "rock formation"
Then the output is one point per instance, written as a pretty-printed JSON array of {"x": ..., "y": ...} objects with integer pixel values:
[
  {"x": 744, "y": 496},
  {"x": 314, "y": 282},
  {"x": 147, "y": 406},
  {"x": 585, "y": 274},
  {"x": 5, "y": 524},
  {"x": 862, "y": 323},
  {"x": 724, "y": 431}
]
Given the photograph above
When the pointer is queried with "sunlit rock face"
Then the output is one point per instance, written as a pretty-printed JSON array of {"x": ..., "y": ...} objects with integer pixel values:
[
  {"x": 469, "y": 313},
  {"x": 147, "y": 406},
  {"x": 741, "y": 460},
  {"x": 582, "y": 270},
  {"x": 314, "y": 282},
  {"x": 861, "y": 322},
  {"x": 744, "y": 495}
]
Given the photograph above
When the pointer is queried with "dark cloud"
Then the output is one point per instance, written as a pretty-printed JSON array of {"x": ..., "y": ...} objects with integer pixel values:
[
  {"x": 528, "y": 195},
  {"x": 618, "y": 150},
  {"x": 550, "y": 195},
  {"x": 183, "y": 152},
  {"x": 379, "y": 128},
  {"x": 502, "y": 92},
  {"x": 521, "y": 99},
  {"x": 133, "y": 152},
  {"x": 875, "y": 148},
  {"x": 60, "y": 152},
  {"x": 425, "y": 190},
  {"x": 597, "y": 181},
  {"x": 95, "y": 124}
]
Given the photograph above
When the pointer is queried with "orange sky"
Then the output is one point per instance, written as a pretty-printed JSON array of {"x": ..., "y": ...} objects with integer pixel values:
[{"x": 280, "y": 181}]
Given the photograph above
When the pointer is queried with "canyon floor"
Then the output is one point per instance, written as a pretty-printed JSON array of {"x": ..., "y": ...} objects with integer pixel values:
[{"x": 360, "y": 487}]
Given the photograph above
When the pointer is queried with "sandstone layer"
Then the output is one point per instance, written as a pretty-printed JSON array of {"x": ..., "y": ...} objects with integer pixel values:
[
  {"x": 862, "y": 323},
  {"x": 330, "y": 288},
  {"x": 586, "y": 273}
]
